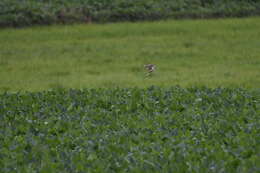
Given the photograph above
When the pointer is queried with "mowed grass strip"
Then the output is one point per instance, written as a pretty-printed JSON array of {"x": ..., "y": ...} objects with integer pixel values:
[{"x": 222, "y": 52}]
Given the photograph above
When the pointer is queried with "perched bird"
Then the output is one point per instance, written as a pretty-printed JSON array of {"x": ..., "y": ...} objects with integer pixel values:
[{"x": 150, "y": 68}]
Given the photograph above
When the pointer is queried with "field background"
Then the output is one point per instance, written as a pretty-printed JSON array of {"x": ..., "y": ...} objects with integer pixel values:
[
  {"x": 223, "y": 52},
  {"x": 76, "y": 98}
]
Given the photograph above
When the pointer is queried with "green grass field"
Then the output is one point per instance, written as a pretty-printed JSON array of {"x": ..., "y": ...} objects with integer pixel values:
[{"x": 222, "y": 52}]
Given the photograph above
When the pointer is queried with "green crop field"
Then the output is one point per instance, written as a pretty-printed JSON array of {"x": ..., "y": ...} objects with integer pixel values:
[
  {"x": 131, "y": 130},
  {"x": 223, "y": 52},
  {"x": 77, "y": 98}
]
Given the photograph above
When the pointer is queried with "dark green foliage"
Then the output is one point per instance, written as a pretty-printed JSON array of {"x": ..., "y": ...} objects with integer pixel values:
[
  {"x": 29, "y": 12},
  {"x": 130, "y": 130}
]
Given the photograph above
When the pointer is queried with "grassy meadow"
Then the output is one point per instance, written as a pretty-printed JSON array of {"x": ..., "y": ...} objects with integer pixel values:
[{"x": 212, "y": 53}]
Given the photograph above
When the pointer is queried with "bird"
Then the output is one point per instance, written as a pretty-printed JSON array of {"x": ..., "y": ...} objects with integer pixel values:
[{"x": 150, "y": 68}]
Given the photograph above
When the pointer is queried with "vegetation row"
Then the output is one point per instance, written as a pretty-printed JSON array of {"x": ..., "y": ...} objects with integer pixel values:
[
  {"x": 29, "y": 12},
  {"x": 130, "y": 130}
]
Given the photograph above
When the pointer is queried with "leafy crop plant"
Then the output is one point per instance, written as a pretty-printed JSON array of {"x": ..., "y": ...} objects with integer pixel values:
[{"x": 130, "y": 130}]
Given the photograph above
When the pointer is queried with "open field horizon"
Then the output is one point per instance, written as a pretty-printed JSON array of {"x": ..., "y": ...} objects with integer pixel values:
[{"x": 212, "y": 53}]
